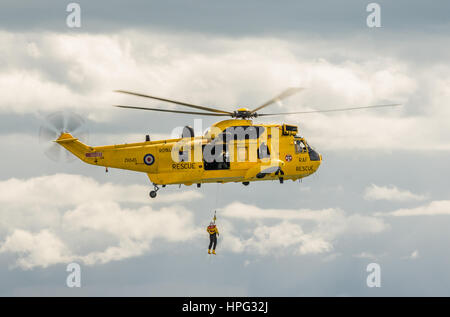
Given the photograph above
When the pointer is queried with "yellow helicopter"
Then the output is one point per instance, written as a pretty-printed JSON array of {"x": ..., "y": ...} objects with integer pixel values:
[{"x": 233, "y": 150}]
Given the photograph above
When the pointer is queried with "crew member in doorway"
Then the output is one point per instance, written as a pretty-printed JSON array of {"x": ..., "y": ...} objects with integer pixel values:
[{"x": 213, "y": 233}]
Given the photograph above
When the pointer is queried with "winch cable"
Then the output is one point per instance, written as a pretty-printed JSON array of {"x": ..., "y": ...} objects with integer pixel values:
[{"x": 217, "y": 202}]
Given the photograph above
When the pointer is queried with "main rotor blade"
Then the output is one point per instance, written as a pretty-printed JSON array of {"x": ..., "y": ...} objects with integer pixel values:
[
  {"x": 175, "y": 102},
  {"x": 288, "y": 92},
  {"x": 175, "y": 111},
  {"x": 327, "y": 110}
]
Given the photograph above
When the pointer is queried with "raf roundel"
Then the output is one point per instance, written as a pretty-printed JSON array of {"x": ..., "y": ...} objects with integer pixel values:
[{"x": 149, "y": 159}]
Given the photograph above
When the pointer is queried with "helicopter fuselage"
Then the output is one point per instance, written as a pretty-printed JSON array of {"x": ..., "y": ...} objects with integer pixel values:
[{"x": 231, "y": 151}]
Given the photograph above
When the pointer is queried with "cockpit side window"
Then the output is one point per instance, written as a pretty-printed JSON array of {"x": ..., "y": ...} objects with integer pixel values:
[{"x": 300, "y": 146}]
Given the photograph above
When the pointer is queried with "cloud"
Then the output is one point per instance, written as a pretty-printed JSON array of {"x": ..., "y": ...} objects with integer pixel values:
[
  {"x": 135, "y": 229},
  {"x": 369, "y": 255},
  {"x": 69, "y": 190},
  {"x": 288, "y": 235},
  {"x": 36, "y": 249},
  {"x": 283, "y": 238},
  {"x": 125, "y": 233},
  {"x": 434, "y": 208},
  {"x": 414, "y": 254},
  {"x": 66, "y": 217},
  {"x": 250, "y": 213},
  {"x": 390, "y": 193}
]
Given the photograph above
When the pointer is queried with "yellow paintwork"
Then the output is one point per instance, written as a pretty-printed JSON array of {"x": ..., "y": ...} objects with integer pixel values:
[{"x": 164, "y": 170}]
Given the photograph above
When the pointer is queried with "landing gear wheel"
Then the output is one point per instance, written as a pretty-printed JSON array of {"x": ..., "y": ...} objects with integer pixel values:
[
  {"x": 281, "y": 180},
  {"x": 245, "y": 183},
  {"x": 153, "y": 192}
]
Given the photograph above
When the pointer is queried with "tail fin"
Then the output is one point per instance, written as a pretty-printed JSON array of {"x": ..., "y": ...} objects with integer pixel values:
[{"x": 74, "y": 146}]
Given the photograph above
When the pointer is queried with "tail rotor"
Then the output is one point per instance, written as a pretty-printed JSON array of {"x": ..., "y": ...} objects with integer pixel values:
[{"x": 52, "y": 127}]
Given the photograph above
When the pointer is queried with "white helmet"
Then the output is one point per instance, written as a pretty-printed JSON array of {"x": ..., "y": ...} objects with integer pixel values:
[{"x": 211, "y": 223}]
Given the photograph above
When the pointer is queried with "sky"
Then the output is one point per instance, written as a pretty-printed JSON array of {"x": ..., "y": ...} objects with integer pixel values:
[{"x": 381, "y": 194}]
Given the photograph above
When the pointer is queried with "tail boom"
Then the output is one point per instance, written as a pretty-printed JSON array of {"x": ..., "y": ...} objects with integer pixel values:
[{"x": 129, "y": 157}]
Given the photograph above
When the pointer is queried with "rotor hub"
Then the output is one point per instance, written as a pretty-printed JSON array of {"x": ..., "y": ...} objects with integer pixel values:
[{"x": 243, "y": 113}]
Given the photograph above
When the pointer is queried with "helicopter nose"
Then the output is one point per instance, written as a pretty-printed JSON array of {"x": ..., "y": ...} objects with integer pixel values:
[{"x": 319, "y": 162}]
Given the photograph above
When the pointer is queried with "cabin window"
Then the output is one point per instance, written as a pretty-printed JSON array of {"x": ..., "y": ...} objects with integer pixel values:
[
  {"x": 289, "y": 129},
  {"x": 216, "y": 156},
  {"x": 263, "y": 151}
]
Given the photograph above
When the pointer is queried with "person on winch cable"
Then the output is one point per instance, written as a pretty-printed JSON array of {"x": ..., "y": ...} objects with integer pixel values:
[{"x": 213, "y": 233}]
